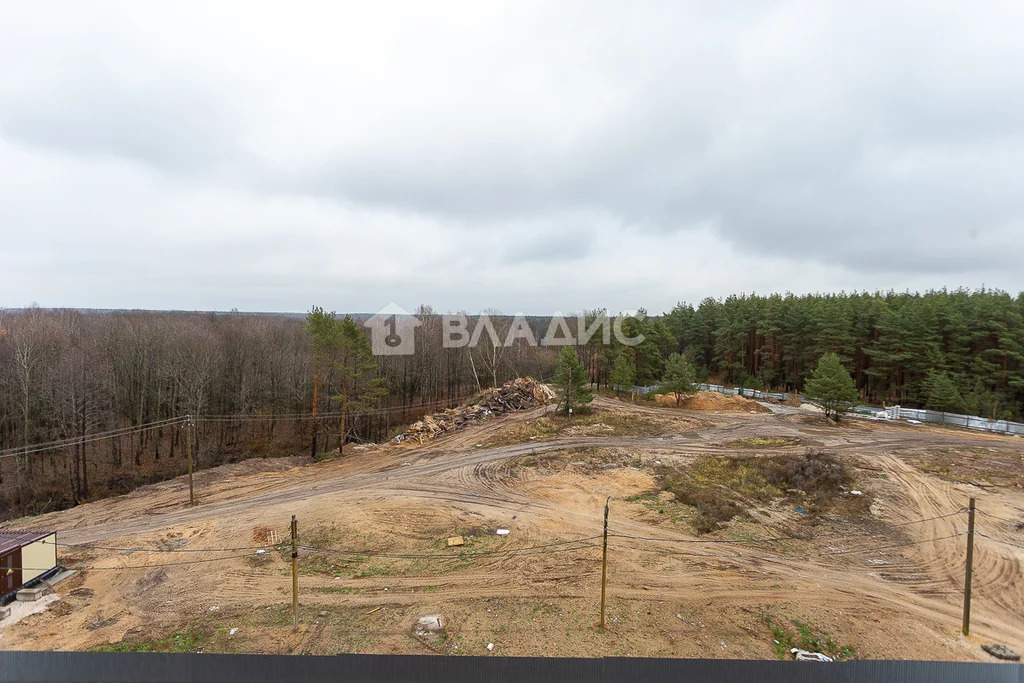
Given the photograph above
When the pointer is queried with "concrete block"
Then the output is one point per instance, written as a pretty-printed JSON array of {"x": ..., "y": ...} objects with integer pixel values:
[
  {"x": 4, "y": 613},
  {"x": 32, "y": 594}
]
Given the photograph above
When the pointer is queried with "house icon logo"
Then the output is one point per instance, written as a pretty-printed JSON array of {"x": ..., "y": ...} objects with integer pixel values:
[{"x": 393, "y": 331}]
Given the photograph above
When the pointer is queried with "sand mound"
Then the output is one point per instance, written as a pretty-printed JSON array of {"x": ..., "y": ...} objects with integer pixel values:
[{"x": 713, "y": 401}]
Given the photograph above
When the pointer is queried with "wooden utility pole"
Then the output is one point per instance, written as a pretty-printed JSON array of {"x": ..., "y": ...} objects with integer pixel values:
[
  {"x": 604, "y": 559},
  {"x": 188, "y": 446},
  {"x": 295, "y": 575},
  {"x": 970, "y": 569}
]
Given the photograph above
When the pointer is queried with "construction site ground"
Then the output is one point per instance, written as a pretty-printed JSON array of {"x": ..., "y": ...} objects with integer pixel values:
[{"x": 869, "y": 585}]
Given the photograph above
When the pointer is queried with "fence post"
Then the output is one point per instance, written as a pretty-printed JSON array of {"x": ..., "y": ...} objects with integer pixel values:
[
  {"x": 604, "y": 560},
  {"x": 295, "y": 575},
  {"x": 970, "y": 569},
  {"x": 188, "y": 441}
]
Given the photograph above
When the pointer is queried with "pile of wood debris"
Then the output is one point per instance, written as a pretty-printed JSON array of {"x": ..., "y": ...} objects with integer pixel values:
[{"x": 518, "y": 394}]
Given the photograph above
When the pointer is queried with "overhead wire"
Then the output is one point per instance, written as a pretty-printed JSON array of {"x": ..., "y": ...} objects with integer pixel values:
[
  {"x": 89, "y": 438},
  {"x": 89, "y": 546},
  {"x": 21, "y": 451},
  {"x": 740, "y": 556},
  {"x": 773, "y": 539},
  {"x": 458, "y": 556},
  {"x": 999, "y": 540},
  {"x": 1001, "y": 519}
]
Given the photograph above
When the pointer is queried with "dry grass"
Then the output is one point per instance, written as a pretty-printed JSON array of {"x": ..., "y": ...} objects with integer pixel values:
[
  {"x": 763, "y": 442},
  {"x": 722, "y": 487},
  {"x": 594, "y": 423}
]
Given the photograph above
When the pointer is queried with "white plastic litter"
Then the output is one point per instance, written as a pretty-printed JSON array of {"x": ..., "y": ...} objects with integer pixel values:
[
  {"x": 490, "y": 646},
  {"x": 502, "y": 532},
  {"x": 232, "y": 631},
  {"x": 805, "y": 656},
  {"x": 856, "y": 493}
]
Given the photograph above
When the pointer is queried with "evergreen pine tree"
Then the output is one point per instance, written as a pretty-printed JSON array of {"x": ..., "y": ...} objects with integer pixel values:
[
  {"x": 623, "y": 373},
  {"x": 830, "y": 387},
  {"x": 571, "y": 381},
  {"x": 679, "y": 374}
]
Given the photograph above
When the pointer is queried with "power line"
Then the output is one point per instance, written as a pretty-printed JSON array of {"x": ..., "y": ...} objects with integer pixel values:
[
  {"x": 21, "y": 451},
  {"x": 1001, "y": 519},
  {"x": 462, "y": 556},
  {"x": 1012, "y": 545},
  {"x": 137, "y": 566},
  {"x": 298, "y": 416},
  {"x": 89, "y": 438},
  {"x": 86, "y": 546},
  {"x": 781, "y": 538},
  {"x": 738, "y": 556}
]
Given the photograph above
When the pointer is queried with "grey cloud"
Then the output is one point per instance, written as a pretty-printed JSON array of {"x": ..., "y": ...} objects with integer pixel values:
[{"x": 876, "y": 139}]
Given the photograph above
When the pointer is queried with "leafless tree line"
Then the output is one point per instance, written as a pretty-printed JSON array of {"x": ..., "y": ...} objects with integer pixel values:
[{"x": 74, "y": 376}]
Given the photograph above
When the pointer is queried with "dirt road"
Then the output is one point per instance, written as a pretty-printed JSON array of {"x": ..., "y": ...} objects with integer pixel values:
[{"x": 891, "y": 591}]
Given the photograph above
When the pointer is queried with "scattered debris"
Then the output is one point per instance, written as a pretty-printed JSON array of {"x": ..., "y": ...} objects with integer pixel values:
[
  {"x": 323, "y": 613},
  {"x": 100, "y": 622},
  {"x": 376, "y": 609},
  {"x": 33, "y": 594},
  {"x": 856, "y": 493},
  {"x": 801, "y": 511},
  {"x": 261, "y": 552},
  {"x": 16, "y": 611},
  {"x": 429, "y": 628},
  {"x": 518, "y": 394},
  {"x": 214, "y": 608},
  {"x": 806, "y": 656},
  {"x": 695, "y": 624},
  {"x": 502, "y": 532},
  {"x": 490, "y": 646},
  {"x": 233, "y": 631},
  {"x": 1001, "y": 652},
  {"x": 877, "y": 562},
  {"x": 456, "y": 540}
]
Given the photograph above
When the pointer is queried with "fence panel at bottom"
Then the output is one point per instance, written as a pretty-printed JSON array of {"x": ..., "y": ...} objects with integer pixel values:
[{"x": 35, "y": 667}]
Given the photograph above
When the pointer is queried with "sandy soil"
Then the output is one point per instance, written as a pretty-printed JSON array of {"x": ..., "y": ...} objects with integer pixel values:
[{"x": 667, "y": 594}]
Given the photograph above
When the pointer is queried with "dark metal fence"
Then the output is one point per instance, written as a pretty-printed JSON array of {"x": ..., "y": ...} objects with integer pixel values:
[
  {"x": 891, "y": 413},
  {"x": 36, "y": 667}
]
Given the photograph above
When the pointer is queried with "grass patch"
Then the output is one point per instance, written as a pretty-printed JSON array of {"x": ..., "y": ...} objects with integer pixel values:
[
  {"x": 763, "y": 442},
  {"x": 339, "y": 590},
  {"x": 790, "y": 633},
  {"x": 192, "y": 639},
  {"x": 722, "y": 487},
  {"x": 591, "y": 423},
  {"x": 970, "y": 464}
]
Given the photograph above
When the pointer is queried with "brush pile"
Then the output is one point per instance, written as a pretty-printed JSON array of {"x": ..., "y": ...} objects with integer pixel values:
[{"x": 518, "y": 394}]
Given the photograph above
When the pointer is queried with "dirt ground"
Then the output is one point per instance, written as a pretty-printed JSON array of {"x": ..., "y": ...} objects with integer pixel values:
[{"x": 870, "y": 585}]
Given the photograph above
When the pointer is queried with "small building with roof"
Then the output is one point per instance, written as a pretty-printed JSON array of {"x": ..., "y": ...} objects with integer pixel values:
[{"x": 24, "y": 557}]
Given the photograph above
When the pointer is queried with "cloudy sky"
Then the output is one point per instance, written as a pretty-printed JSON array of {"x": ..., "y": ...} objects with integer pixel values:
[{"x": 520, "y": 157}]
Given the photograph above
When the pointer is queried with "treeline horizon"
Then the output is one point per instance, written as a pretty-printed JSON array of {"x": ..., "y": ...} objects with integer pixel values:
[{"x": 69, "y": 375}]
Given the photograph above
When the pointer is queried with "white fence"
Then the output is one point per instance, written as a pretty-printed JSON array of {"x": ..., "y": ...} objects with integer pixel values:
[{"x": 891, "y": 413}]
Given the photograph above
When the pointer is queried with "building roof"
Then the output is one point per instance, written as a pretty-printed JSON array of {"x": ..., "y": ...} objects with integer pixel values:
[{"x": 11, "y": 540}]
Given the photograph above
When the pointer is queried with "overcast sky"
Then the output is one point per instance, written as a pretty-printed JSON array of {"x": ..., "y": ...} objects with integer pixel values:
[{"x": 520, "y": 157}]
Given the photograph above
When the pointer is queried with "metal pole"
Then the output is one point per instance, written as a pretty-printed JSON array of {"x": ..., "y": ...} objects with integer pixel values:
[
  {"x": 604, "y": 559},
  {"x": 970, "y": 569},
  {"x": 295, "y": 575},
  {"x": 188, "y": 440}
]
